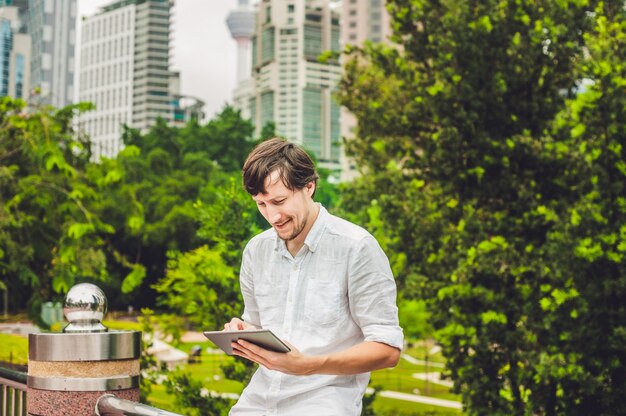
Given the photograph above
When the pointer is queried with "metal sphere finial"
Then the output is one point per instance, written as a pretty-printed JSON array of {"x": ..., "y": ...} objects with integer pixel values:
[{"x": 84, "y": 308}]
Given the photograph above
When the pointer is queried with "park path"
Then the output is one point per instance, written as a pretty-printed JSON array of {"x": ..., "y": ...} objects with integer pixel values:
[
  {"x": 18, "y": 328},
  {"x": 416, "y": 398},
  {"x": 415, "y": 361}
]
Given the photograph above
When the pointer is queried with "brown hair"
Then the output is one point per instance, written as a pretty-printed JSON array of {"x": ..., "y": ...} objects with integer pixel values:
[{"x": 294, "y": 166}]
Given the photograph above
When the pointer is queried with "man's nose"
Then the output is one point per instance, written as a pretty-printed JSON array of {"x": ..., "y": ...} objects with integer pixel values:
[{"x": 273, "y": 214}]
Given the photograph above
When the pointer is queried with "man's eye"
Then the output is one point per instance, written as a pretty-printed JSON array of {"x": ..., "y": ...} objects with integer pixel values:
[
  {"x": 261, "y": 204},
  {"x": 279, "y": 202}
]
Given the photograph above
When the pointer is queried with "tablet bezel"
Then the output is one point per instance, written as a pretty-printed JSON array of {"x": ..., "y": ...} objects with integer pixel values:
[{"x": 264, "y": 338}]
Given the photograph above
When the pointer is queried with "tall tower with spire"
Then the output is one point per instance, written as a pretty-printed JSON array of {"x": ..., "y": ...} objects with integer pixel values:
[
  {"x": 241, "y": 25},
  {"x": 289, "y": 86}
]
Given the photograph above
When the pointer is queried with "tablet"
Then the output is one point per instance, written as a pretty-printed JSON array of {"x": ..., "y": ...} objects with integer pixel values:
[{"x": 262, "y": 337}]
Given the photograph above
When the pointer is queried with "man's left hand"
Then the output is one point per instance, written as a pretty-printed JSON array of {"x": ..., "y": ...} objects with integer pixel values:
[{"x": 292, "y": 362}]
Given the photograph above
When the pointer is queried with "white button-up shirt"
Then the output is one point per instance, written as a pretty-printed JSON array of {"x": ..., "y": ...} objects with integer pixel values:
[{"x": 338, "y": 291}]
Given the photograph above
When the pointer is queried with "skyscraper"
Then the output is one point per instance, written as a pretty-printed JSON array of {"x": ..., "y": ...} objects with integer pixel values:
[
  {"x": 361, "y": 20},
  {"x": 289, "y": 86},
  {"x": 364, "y": 20},
  {"x": 14, "y": 55},
  {"x": 124, "y": 70},
  {"x": 6, "y": 44},
  {"x": 52, "y": 26}
]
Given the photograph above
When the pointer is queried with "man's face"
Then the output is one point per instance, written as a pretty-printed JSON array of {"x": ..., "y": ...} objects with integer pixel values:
[{"x": 286, "y": 210}]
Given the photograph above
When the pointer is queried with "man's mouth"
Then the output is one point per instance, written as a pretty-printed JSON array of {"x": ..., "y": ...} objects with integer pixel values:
[{"x": 281, "y": 225}]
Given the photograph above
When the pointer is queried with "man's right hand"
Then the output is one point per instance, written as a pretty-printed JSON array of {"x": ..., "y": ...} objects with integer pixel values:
[{"x": 237, "y": 324}]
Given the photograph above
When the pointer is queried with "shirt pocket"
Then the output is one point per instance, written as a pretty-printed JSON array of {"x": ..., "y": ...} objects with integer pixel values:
[
  {"x": 267, "y": 296},
  {"x": 326, "y": 300}
]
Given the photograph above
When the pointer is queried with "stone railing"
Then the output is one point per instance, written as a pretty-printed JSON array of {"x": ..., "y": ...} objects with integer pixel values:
[{"x": 86, "y": 370}]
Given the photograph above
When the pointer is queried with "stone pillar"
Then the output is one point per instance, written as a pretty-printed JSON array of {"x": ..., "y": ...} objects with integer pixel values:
[{"x": 69, "y": 371}]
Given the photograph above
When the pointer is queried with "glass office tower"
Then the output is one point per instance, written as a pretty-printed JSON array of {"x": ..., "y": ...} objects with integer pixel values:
[{"x": 289, "y": 86}]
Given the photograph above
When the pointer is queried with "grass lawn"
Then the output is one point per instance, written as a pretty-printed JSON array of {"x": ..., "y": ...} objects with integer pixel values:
[
  {"x": 388, "y": 407},
  {"x": 14, "y": 349},
  {"x": 159, "y": 398},
  {"x": 401, "y": 379},
  {"x": 122, "y": 325}
]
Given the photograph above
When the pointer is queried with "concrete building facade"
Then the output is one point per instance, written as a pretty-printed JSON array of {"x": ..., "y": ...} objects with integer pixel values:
[
  {"x": 361, "y": 20},
  {"x": 14, "y": 55},
  {"x": 124, "y": 70},
  {"x": 52, "y": 26},
  {"x": 289, "y": 86},
  {"x": 364, "y": 20}
]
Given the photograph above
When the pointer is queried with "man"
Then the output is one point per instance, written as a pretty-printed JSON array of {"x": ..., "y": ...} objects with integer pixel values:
[{"x": 318, "y": 282}]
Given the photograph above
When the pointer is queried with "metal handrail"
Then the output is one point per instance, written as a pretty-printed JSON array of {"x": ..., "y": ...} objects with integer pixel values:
[
  {"x": 12, "y": 392},
  {"x": 17, "y": 376},
  {"x": 13, "y": 381},
  {"x": 111, "y": 405}
]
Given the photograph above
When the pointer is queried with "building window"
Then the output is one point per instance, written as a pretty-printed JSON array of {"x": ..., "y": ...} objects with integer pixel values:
[
  {"x": 290, "y": 8},
  {"x": 268, "y": 15},
  {"x": 267, "y": 107},
  {"x": 19, "y": 75},
  {"x": 6, "y": 44},
  {"x": 335, "y": 36},
  {"x": 267, "y": 45},
  {"x": 335, "y": 130},
  {"x": 312, "y": 120},
  {"x": 312, "y": 41}
]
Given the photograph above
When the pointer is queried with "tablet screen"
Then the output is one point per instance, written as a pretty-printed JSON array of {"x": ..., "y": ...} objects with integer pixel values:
[{"x": 262, "y": 337}]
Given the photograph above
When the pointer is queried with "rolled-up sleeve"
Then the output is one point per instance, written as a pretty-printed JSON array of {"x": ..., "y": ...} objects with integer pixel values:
[
  {"x": 372, "y": 294},
  {"x": 251, "y": 309}
]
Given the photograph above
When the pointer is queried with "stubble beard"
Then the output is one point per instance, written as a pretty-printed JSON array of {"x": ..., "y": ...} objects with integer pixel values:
[{"x": 296, "y": 232}]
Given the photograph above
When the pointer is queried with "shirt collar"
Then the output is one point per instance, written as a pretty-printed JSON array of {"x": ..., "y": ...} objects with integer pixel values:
[
  {"x": 315, "y": 233},
  {"x": 313, "y": 237}
]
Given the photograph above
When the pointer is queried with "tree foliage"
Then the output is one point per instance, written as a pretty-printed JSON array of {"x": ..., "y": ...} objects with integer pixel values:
[
  {"x": 191, "y": 398},
  {"x": 491, "y": 144},
  {"x": 66, "y": 218},
  {"x": 50, "y": 234},
  {"x": 156, "y": 189}
]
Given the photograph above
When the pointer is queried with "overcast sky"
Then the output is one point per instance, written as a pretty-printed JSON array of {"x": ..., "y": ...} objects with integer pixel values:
[{"x": 203, "y": 50}]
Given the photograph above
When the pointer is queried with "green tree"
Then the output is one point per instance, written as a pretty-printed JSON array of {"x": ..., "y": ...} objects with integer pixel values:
[
  {"x": 229, "y": 140},
  {"x": 587, "y": 244},
  {"x": 200, "y": 286},
  {"x": 497, "y": 174},
  {"x": 154, "y": 188},
  {"x": 268, "y": 131},
  {"x": 50, "y": 234},
  {"x": 190, "y": 398}
]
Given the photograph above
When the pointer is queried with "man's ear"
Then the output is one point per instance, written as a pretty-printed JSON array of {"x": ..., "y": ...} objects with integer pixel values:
[{"x": 310, "y": 188}]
